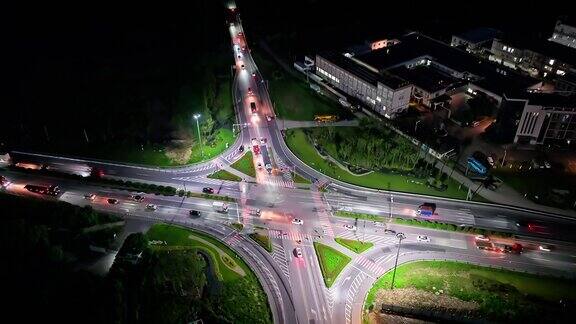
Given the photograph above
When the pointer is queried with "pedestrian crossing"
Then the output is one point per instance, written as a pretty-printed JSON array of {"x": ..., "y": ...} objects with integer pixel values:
[
  {"x": 293, "y": 236},
  {"x": 279, "y": 255},
  {"x": 278, "y": 182},
  {"x": 356, "y": 283},
  {"x": 233, "y": 239},
  {"x": 376, "y": 239},
  {"x": 371, "y": 266},
  {"x": 323, "y": 216},
  {"x": 322, "y": 183}
]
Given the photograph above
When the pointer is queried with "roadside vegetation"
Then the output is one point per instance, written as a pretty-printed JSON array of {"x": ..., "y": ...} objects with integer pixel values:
[
  {"x": 224, "y": 175},
  {"x": 135, "y": 105},
  {"x": 331, "y": 262},
  {"x": 454, "y": 291},
  {"x": 354, "y": 245},
  {"x": 245, "y": 165},
  {"x": 229, "y": 293},
  {"x": 300, "y": 142},
  {"x": 293, "y": 99},
  {"x": 43, "y": 245}
]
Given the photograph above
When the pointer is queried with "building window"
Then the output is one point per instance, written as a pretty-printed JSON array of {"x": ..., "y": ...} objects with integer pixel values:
[
  {"x": 551, "y": 62},
  {"x": 505, "y": 48},
  {"x": 560, "y": 72}
]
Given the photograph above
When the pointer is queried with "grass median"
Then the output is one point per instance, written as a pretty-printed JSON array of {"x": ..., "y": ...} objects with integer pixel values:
[
  {"x": 354, "y": 245},
  {"x": 262, "y": 240},
  {"x": 467, "y": 292},
  {"x": 224, "y": 175},
  {"x": 331, "y": 262},
  {"x": 245, "y": 165}
]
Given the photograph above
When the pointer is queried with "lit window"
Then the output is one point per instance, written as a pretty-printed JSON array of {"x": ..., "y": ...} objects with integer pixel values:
[
  {"x": 505, "y": 48},
  {"x": 560, "y": 72},
  {"x": 378, "y": 99},
  {"x": 545, "y": 74},
  {"x": 551, "y": 62}
]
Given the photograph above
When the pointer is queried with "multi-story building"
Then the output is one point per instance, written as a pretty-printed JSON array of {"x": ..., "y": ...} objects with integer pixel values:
[
  {"x": 383, "y": 92},
  {"x": 539, "y": 58},
  {"x": 540, "y": 118},
  {"x": 476, "y": 41},
  {"x": 564, "y": 33}
]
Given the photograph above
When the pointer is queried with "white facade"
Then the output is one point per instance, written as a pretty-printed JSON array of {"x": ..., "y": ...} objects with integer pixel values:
[
  {"x": 381, "y": 98},
  {"x": 540, "y": 124},
  {"x": 564, "y": 34}
]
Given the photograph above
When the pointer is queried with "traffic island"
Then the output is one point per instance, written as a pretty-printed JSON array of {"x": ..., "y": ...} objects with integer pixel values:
[
  {"x": 224, "y": 175},
  {"x": 455, "y": 291},
  {"x": 354, "y": 245},
  {"x": 245, "y": 165},
  {"x": 331, "y": 262},
  {"x": 262, "y": 240}
]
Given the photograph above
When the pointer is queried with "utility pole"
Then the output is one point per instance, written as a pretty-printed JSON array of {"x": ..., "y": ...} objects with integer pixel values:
[{"x": 400, "y": 237}]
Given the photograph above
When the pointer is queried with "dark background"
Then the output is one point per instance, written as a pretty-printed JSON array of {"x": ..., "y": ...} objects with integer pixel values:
[{"x": 76, "y": 65}]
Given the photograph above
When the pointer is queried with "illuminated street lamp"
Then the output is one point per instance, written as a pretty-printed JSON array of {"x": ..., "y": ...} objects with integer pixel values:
[
  {"x": 197, "y": 116},
  {"x": 400, "y": 237}
]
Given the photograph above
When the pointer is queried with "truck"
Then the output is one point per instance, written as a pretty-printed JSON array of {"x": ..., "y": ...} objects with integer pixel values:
[
  {"x": 44, "y": 190},
  {"x": 220, "y": 206},
  {"x": 253, "y": 107},
  {"x": 255, "y": 146},
  {"x": 266, "y": 158},
  {"x": 485, "y": 245},
  {"x": 426, "y": 209}
]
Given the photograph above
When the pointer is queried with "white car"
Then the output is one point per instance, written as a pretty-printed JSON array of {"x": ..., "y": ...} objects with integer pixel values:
[
  {"x": 137, "y": 198},
  {"x": 482, "y": 238},
  {"x": 423, "y": 238},
  {"x": 350, "y": 227},
  {"x": 297, "y": 221},
  {"x": 263, "y": 140},
  {"x": 298, "y": 252},
  {"x": 151, "y": 207},
  {"x": 90, "y": 197}
]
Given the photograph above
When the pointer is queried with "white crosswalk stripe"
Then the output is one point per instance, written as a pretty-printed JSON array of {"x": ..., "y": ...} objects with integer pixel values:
[
  {"x": 279, "y": 182},
  {"x": 293, "y": 236},
  {"x": 376, "y": 239},
  {"x": 351, "y": 294},
  {"x": 369, "y": 265},
  {"x": 233, "y": 239},
  {"x": 279, "y": 255}
]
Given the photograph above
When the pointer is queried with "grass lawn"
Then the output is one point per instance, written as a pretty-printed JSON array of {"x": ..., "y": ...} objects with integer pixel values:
[
  {"x": 262, "y": 240},
  {"x": 238, "y": 226},
  {"x": 301, "y": 147},
  {"x": 223, "y": 136},
  {"x": 359, "y": 216},
  {"x": 245, "y": 165},
  {"x": 447, "y": 227},
  {"x": 224, "y": 175},
  {"x": 240, "y": 296},
  {"x": 230, "y": 267},
  {"x": 499, "y": 293},
  {"x": 300, "y": 179},
  {"x": 354, "y": 245},
  {"x": 331, "y": 262},
  {"x": 293, "y": 98}
]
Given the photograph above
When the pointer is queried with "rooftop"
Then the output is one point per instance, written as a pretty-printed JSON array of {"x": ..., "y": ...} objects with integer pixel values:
[
  {"x": 427, "y": 78},
  {"x": 363, "y": 72},
  {"x": 479, "y": 35}
]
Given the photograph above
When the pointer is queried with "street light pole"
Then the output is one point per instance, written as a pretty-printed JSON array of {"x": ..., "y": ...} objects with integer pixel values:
[
  {"x": 400, "y": 237},
  {"x": 197, "y": 116}
]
